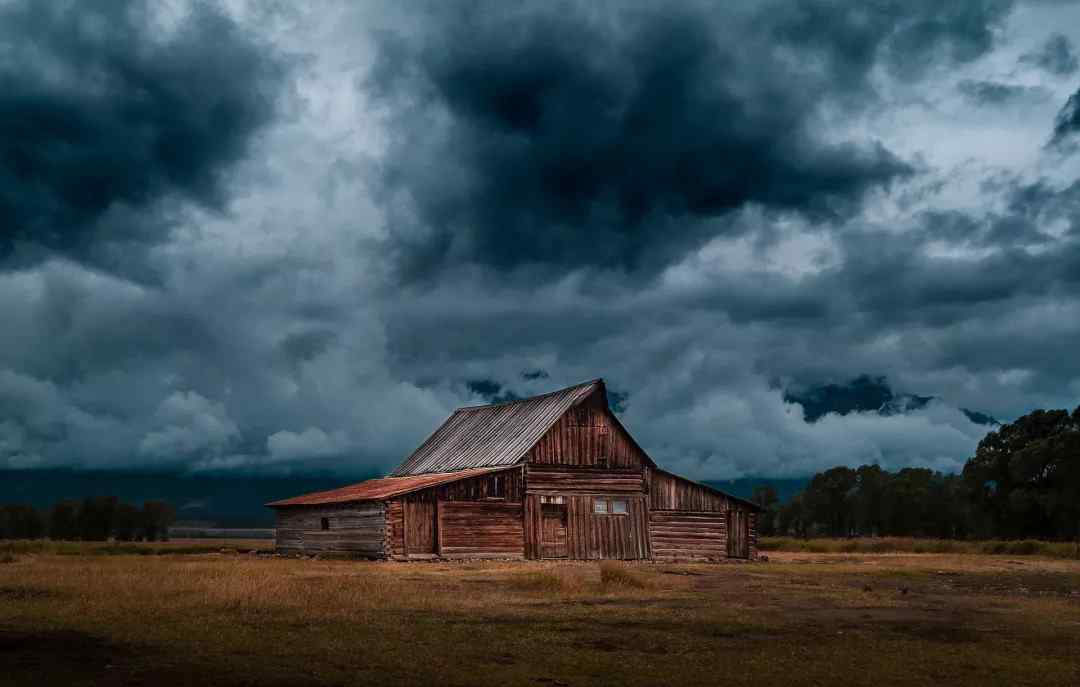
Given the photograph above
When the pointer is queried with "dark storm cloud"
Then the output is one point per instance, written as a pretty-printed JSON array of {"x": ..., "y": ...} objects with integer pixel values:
[
  {"x": 565, "y": 136},
  {"x": 104, "y": 110},
  {"x": 996, "y": 93},
  {"x": 1067, "y": 124},
  {"x": 1057, "y": 56}
]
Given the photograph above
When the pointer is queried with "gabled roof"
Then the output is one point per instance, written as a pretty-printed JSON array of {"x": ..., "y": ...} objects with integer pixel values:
[
  {"x": 494, "y": 435},
  {"x": 379, "y": 489}
]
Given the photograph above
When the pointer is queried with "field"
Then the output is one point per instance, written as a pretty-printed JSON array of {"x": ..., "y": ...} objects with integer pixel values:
[{"x": 83, "y": 614}]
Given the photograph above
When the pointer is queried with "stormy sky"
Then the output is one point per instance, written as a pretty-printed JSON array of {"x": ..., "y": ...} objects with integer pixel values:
[{"x": 262, "y": 237}]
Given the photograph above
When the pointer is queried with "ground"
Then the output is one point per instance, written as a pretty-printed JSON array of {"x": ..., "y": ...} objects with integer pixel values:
[{"x": 79, "y": 617}]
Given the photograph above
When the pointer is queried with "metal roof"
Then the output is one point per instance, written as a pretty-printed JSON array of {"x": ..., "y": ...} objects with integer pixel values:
[
  {"x": 379, "y": 489},
  {"x": 494, "y": 435}
]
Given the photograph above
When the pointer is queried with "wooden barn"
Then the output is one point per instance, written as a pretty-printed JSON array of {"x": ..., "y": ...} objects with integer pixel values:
[{"x": 553, "y": 476}]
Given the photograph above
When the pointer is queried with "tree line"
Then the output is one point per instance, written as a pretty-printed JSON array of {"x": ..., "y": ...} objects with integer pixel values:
[
  {"x": 96, "y": 518},
  {"x": 1022, "y": 482}
]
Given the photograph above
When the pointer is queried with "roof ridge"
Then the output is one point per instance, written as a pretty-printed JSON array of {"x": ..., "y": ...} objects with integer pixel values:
[{"x": 531, "y": 398}]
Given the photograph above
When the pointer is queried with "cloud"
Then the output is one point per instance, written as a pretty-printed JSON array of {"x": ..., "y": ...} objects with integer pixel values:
[
  {"x": 997, "y": 93},
  {"x": 111, "y": 107},
  {"x": 1056, "y": 56},
  {"x": 189, "y": 425},
  {"x": 709, "y": 207},
  {"x": 311, "y": 443},
  {"x": 567, "y": 136},
  {"x": 1067, "y": 124}
]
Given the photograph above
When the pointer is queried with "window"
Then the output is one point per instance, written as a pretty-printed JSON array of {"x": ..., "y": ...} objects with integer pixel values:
[
  {"x": 326, "y": 523},
  {"x": 497, "y": 487},
  {"x": 602, "y": 506},
  {"x": 552, "y": 499}
]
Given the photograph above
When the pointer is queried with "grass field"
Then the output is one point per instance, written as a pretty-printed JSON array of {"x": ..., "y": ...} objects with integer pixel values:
[{"x": 181, "y": 617}]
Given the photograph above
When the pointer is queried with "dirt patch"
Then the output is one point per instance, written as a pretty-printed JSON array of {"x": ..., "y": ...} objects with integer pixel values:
[{"x": 24, "y": 594}]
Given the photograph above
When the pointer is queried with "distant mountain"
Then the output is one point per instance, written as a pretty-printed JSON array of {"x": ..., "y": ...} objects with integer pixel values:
[
  {"x": 226, "y": 501},
  {"x": 865, "y": 394},
  {"x": 744, "y": 486}
]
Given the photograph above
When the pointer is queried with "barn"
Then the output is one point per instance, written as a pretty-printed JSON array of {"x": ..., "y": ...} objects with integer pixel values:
[{"x": 555, "y": 476}]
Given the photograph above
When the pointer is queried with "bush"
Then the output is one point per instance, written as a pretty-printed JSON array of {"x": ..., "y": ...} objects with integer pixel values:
[{"x": 615, "y": 575}]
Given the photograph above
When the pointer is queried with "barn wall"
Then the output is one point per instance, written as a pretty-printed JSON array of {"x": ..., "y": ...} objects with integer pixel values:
[
  {"x": 669, "y": 492},
  {"x": 688, "y": 535},
  {"x": 481, "y": 529},
  {"x": 481, "y": 517},
  {"x": 590, "y": 480},
  {"x": 587, "y": 435},
  {"x": 356, "y": 528},
  {"x": 688, "y": 521},
  {"x": 589, "y": 535}
]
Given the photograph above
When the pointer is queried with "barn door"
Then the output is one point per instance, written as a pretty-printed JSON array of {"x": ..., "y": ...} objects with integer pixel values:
[
  {"x": 738, "y": 534},
  {"x": 419, "y": 524},
  {"x": 553, "y": 530}
]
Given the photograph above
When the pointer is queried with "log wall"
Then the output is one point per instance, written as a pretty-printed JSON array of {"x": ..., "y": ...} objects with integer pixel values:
[
  {"x": 688, "y": 535},
  {"x": 356, "y": 528},
  {"x": 481, "y": 529},
  {"x": 589, "y": 480}
]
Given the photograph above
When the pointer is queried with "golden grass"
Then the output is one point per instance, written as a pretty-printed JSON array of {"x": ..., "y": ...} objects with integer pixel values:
[
  {"x": 1023, "y": 547},
  {"x": 801, "y": 619}
]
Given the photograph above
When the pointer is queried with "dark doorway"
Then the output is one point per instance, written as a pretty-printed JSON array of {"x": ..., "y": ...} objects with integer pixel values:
[
  {"x": 738, "y": 534},
  {"x": 420, "y": 532},
  {"x": 553, "y": 530}
]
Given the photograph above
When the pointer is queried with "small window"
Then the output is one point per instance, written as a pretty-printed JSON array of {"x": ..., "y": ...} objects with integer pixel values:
[
  {"x": 552, "y": 499},
  {"x": 600, "y": 506},
  {"x": 619, "y": 507},
  {"x": 497, "y": 487},
  {"x": 326, "y": 523}
]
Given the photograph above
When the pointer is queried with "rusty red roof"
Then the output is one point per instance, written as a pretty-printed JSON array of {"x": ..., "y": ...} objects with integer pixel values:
[
  {"x": 379, "y": 489},
  {"x": 494, "y": 435}
]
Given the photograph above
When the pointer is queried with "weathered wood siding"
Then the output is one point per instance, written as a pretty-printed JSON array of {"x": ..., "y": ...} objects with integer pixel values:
[
  {"x": 587, "y": 435},
  {"x": 688, "y": 535},
  {"x": 356, "y": 528},
  {"x": 481, "y": 517},
  {"x": 669, "y": 492},
  {"x": 688, "y": 521},
  {"x": 481, "y": 529},
  {"x": 593, "y": 535},
  {"x": 558, "y": 479}
]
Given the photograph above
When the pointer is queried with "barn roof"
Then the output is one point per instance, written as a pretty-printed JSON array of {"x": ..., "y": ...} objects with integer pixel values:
[
  {"x": 379, "y": 489},
  {"x": 494, "y": 435}
]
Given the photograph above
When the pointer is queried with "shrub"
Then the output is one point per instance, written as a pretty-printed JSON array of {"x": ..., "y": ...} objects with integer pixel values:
[{"x": 615, "y": 575}]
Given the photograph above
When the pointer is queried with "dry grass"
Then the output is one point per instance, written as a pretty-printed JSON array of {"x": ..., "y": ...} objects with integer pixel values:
[
  {"x": 1023, "y": 547},
  {"x": 802, "y": 619}
]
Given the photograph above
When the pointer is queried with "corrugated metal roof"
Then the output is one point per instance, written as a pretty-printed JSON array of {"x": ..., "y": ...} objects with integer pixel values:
[
  {"x": 379, "y": 489},
  {"x": 493, "y": 435}
]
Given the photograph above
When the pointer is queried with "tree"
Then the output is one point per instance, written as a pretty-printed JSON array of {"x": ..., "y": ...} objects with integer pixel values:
[
  {"x": 157, "y": 517},
  {"x": 64, "y": 521},
  {"x": 828, "y": 500},
  {"x": 21, "y": 522},
  {"x": 1025, "y": 476},
  {"x": 96, "y": 517},
  {"x": 127, "y": 522},
  {"x": 765, "y": 496}
]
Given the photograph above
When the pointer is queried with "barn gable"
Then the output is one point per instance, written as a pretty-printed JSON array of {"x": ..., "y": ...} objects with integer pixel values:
[{"x": 500, "y": 434}]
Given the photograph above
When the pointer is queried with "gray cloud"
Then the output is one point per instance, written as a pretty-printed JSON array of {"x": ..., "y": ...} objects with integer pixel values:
[
  {"x": 106, "y": 111},
  {"x": 570, "y": 137},
  {"x": 1057, "y": 56},
  {"x": 709, "y": 208}
]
